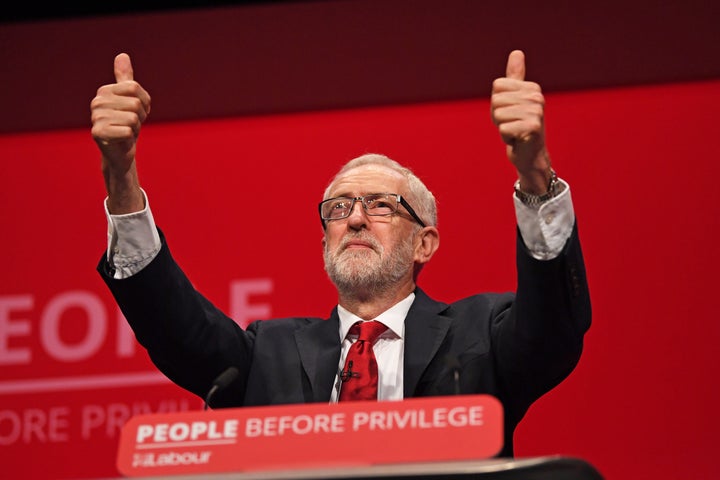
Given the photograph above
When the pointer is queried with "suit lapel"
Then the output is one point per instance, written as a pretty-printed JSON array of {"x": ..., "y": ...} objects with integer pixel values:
[
  {"x": 425, "y": 330},
  {"x": 319, "y": 348}
]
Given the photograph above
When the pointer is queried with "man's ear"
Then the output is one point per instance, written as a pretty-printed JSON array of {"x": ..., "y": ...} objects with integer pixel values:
[{"x": 427, "y": 241}]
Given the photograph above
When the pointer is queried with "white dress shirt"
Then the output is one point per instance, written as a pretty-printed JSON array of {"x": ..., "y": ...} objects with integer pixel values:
[{"x": 388, "y": 348}]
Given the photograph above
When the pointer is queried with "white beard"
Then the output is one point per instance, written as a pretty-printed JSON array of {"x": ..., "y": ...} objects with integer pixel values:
[{"x": 368, "y": 271}]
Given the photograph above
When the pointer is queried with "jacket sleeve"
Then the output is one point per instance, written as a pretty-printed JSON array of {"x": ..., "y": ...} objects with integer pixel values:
[
  {"x": 186, "y": 336},
  {"x": 539, "y": 340}
]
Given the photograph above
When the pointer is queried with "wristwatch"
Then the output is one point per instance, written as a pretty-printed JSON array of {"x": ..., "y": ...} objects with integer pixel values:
[{"x": 536, "y": 200}]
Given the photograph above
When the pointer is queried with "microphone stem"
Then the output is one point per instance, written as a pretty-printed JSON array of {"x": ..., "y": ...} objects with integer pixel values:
[{"x": 209, "y": 396}]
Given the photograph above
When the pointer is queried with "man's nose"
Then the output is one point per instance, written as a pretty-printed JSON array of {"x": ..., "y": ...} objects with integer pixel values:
[{"x": 357, "y": 216}]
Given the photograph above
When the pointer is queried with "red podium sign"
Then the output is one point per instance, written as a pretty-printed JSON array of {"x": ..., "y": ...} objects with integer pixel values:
[{"x": 462, "y": 427}]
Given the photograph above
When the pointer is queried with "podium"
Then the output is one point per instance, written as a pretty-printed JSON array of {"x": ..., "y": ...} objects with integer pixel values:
[{"x": 419, "y": 438}]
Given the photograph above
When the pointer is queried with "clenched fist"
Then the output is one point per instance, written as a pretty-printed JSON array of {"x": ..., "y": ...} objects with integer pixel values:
[
  {"x": 517, "y": 108},
  {"x": 117, "y": 112}
]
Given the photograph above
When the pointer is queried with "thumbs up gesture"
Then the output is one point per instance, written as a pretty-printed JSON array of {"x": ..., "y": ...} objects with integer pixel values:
[
  {"x": 517, "y": 108},
  {"x": 117, "y": 112}
]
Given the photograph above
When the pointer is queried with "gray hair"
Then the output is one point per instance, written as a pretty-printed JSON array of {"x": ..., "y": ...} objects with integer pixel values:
[{"x": 422, "y": 199}]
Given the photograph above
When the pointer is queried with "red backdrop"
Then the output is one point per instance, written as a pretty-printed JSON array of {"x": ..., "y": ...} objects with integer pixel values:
[{"x": 641, "y": 164}]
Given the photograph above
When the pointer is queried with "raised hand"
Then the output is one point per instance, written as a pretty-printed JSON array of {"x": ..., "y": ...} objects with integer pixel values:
[
  {"x": 117, "y": 112},
  {"x": 517, "y": 108}
]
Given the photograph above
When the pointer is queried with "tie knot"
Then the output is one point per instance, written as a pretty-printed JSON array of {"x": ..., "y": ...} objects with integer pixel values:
[{"x": 368, "y": 331}]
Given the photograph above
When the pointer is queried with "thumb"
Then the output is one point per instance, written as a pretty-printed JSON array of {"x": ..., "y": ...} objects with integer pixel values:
[
  {"x": 123, "y": 68},
  {"x": 516, "y": 65}
]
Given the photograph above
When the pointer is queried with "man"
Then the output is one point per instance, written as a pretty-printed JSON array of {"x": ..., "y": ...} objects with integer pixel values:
[{"x": 380, "y": 229}]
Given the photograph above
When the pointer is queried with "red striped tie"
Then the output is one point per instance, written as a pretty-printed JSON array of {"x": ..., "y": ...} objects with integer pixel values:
[{"x": 360, "y": 375}]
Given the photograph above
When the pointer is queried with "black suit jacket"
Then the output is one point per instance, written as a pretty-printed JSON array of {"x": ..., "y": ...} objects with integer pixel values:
[{"x": 515, "y": 346}]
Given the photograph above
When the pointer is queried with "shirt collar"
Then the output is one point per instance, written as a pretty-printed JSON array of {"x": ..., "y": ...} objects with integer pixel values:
[{"x": 393, "y": 317}]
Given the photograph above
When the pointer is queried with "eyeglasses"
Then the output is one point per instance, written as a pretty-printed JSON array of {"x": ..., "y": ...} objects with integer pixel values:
[{"x": 374, "y": 204}]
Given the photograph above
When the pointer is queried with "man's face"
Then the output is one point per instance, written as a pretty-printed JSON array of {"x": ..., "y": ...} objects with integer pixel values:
[{"x": 366, "y": 254}]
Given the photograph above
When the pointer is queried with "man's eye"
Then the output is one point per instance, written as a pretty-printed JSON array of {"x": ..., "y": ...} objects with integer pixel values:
[{"x": 380, "y": 205}]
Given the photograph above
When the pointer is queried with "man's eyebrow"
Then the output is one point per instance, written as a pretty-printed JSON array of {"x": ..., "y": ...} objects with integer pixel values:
[{"x": 345, "y": 193}]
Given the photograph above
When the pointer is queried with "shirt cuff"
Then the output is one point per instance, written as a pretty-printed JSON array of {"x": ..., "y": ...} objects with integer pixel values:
[
  {"x": 546, "y": 228},
  {"x": 133, "y": 240}
]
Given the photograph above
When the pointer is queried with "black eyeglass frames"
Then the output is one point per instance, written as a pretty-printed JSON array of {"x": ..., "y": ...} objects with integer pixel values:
[{"x": 374, "y": 204}]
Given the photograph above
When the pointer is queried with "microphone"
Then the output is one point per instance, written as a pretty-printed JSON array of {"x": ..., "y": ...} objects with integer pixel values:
[
  {"x": 453, "y": 364},
  {"x": 346, "y": 375},
  {"x": 220, "y": 383}
]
